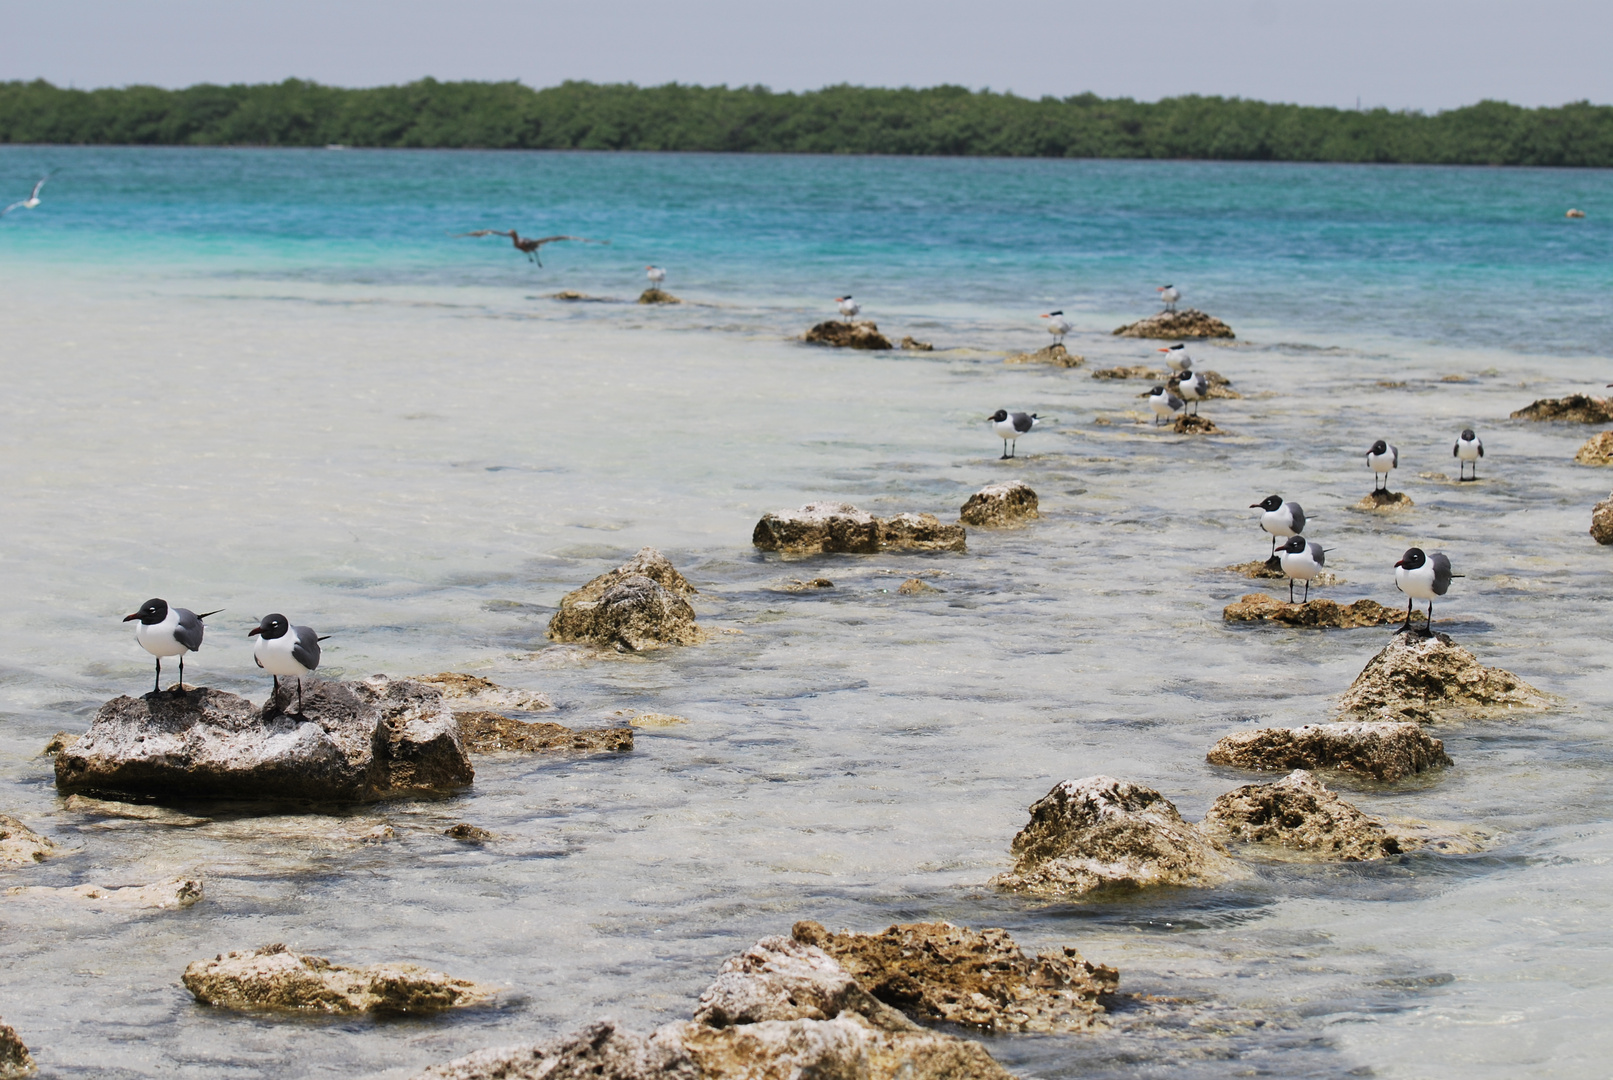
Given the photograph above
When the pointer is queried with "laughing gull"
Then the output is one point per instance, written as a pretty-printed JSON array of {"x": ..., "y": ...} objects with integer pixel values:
[
  {"x": 1422, "y": 577},
  {"x": 656, "y": 275},
  {"x": 1380, "y": 459},
  {"x": 1010, "y": 426},
  {"x": 1168, "y": 295},
  {"x": 166, "y": 631},
  {"x": 1468, "y": 448},
  {"x": 1164, "y": 403},
  {"x": 849, "y": 308},
  {"x": 1193, "y": 387},
  {"x": 1280, "y": 518},
  {"x": 1058, "y": 326},
  {"x": 1176, "y": 357},
  {"x": 1303, "y": 560},
  {"x": 283, "y": 649}
]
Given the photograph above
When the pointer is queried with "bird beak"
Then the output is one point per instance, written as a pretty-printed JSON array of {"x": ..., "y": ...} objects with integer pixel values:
[
  {"x": 255, "y": 631},
  {"x": 1400, "y": 562},
  {"x": 130, "y": 618},
  {"x": 1254, "y": 506},
  {"x": 1162, "y": 350}
]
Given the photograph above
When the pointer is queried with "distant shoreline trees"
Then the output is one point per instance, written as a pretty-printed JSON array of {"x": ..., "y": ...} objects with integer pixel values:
[{"x": 941, "y": 120}]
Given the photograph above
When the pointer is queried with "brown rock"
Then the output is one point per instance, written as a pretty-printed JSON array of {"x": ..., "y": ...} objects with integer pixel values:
[
  {"x": 937, "y": 971},
  {"x": 273, "y": 977},
  {"x": 1422, "y": 678},
  {"x": 857, "y": 335},
  {"x": 797, "y": 585},
  {"x": 919, "y": 532},
  {"x": 20, "y": 845},
  {"x": 471, "y": 693},
  {"x": 657, "y": 720},
  {"x": 1325, "y": 614},
  {"x": 1000, "y": 506},
  {"x": 599, "y": 1051},
  {"x": 468, "y": 833},
  {"x": 912, "y": 344},
  {"x": 1138, "y": 372},
  {"x": 1602, "y": 521},
  {"x": 1300, "y": 814},
  {"x": 495, "y": 733},
  {"x": 1261, "y": 568},
  {"x": 914, "y": 586},
  {"x": 1187, "y": 323},
  {"x": 1598, "y": 450},
  {"x": 1383, "y": 751},
  {"x": 826, "y": 527},
  {"x": 1098, "y": 832},
  {"x": 656, "y": 296},
  {"x": 782, "y": 978},
  {"x": 14, "y": 1057},
  {"x": 1195, "y": 425},
  {"x": 59, "y": 742},
  {"x": 648, "y": 563},
  {"x": 1385, "y": 500},
  {"x": 638, "y": 606},
  {"x": 1057, "y": 355},
  {"x": 1574, "y": 409},
  {"x": 160, "y": 815},
  {"x": 170, "y": 895}
]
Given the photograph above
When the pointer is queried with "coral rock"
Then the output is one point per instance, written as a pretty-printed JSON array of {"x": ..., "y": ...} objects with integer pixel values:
[
  {"x": 1418, "y": 677},
  {"x": 471, "y": 693},
  {"x": 1598, "y": 450},
  {"x": 493, "y": 733},
  {"x": 1096, "y": 832},
  {"x": 1327, "y": 614},
  {"x": 857, "y": 335},
  {"x": 1298, "y": 813},
  {"x": 14, "y": 1057},
  {"x": 1000, "y": 506},
  {"x": 1574, "y": 409},
  {"x": 839, "y": 527},
  {"x": 657, "y": 296},
  {"x": 468, "y": 833},
  {"x": 639, "y": 605},
  {"x": 170, "y": 895},
  {"x": 1187, "y": 323},
  {"x": 20, "y": 845},
  {"x": 59, "y": 742},
  {"x": 1136, "y": 372},
  {"x": 1260, "y": 568},
  {"x": 1602, "y": 521},
  {"x": 915, "y": 586},
  {"x": 1057, "y": 355},
  {"x": 919, "y": 532},
  {"x": 912, "y": 344},
  {"x": 600, "y": 1051},
  {"x": 1195, "y": 425},
  {"x": 1381, "y": 750},
  {"x": 1385, "y": 500},
  {"x": 273, "y": 977}
]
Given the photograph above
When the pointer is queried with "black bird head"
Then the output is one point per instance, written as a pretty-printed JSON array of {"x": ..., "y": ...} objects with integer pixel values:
[
  {"x": 1295, "y": 545},
  {"x": 997, "y": 417},
  {"x": 1156, "y": 391},
  {"x": 1050, "y": 314},
  {"x": 1269, "y": 503},
  {"x": 1162, "y": 287},
  {"x": 1379, "y": 447},
  {"x": 151, "y": 612},
  {"x": 1467, "y": 434},
  {"x": 270, "y": 627},
  {"x": 1413, "y": 559}
]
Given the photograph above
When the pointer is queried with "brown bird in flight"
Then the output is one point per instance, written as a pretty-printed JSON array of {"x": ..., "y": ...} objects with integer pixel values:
[{"x": 526, "y": 244}]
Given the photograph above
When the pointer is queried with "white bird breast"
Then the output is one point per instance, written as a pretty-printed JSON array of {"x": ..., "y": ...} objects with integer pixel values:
[
  {"x": 1467, "y": 451},
  {"x": 275, "y": 654},
  {"x": 1417, "y": 583},
  {"x": 850, "y": 308},
  {"x": 1161, "y": 404},
  {"x": 1381, "y": 462},
  {"x": 1299, "y": 565},
  {"x": 158, "y": 638},
  {"x": 1005, "y": 428},
  {"x": 1278, "y": 522}
]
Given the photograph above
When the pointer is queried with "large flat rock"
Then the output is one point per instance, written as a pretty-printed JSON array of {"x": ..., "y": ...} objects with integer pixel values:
[
  {"x": 275, "y": 978},
  {"x": 1382, "y": 750},
  {"x": 830, "y": 527},
  {"x": 1320, "y": 613},
  {"x": 1573, "y": 409},
  {"x": 1175, "y": 325},
  {"x": 1001, "y": 506}
]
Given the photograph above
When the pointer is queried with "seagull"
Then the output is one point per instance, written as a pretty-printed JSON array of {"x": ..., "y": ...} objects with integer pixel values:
[
  {"x": 1380, "y": 459},
  {"x": 1194, "y": 388},
  {"x": 1009, "y": 426},
  {"x": 31, "y": 201},
  {"x": 1058, "y": 326},
  {"x": 1168, "y": 295},
  {"x": 166, "y": 631},
  {"x": 1301, "y": 559},
  {"x": 1280, "y": 518},
  {"x": 283, "y": 649},
  {"x": 1422, "y": 577},
  {"x": 526, "y": 244},
  {"x": 1164, "y": 403},
  {"x": 848, "y": 307},
  {"x": 656, "y": 275},
  {"x": 1176, "y": 356},
  {"x": 1468, "y": 448}
]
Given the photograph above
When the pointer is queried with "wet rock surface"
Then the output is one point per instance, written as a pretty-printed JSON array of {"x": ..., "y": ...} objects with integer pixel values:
[
  {"x": 169, "y": 895},
  {"x": 129, "y": 811},
  {"x": 844, "y": 335},
  {"x": 59, "y": 742},
  {"x": 1193, "y": 424},
  {"x": 1260, "y": 568},
  {"x": 1573, "y": 409},
  {"x": 20, "y": 845},
  {"x": 638, "y": 606},
  {"x": 1602, "y": 521},
  {"x": 1300, "y": 814},
  {"x": 1597, "y": 450},
  {"x": 915, "y": 587},
  {"x": 14, "y": 1057},
  {"x": 1101, "y": 832},
  {"x": 467, "y": 833},
  {"x": 1056, "y": 355},
  {"x": 912, "y": 344},
  {"x": 830, "y": 527},
  {"x": 472, "y": 693},
  {"x": 1187, "y": 323},
  {"x": 1319, "y": 613},
  {"x": 1422, "y": 678},
  {"x": 275, "y": 978},
  {"x": 599, "y": 1051},
  {"x": 1385, "y": 500},
  {"x": 920, "y": 532},
  {"x": 979, "y": 979},
  {"x": 657, "y": 296},
  {"x": 495, "y": 733},
  {"x": 1382, "y": 750},
  {"x": 353, "y": 741},
  {"x": 1001, "y": 506},
  {"x": 1135, "y": 372}
]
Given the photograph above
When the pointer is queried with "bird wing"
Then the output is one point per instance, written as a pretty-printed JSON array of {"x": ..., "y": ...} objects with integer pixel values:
[
  {"x": 34, "y": 194},
  {"x": 1023, "y": 422},
  {"x": 1457, "y": 446},
  {"x": 1318, "y": 554},
  {"x": 1297, "y": 515},
  {"x": 189, "y": 631},
  {"x": 1174, "y": 402},
  {"x": 579, "y": 239},
  {"x": 1481, "y": 449},
  {"x": 12, "y": 207},
  {"x": 488, "y": 232},
  {"x": 1394, "y": 456},
  {"x": 306, "y": 650},
  {"x": 1442, "y": 572}
]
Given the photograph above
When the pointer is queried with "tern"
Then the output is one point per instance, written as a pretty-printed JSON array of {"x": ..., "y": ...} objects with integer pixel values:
[
  {"x": 1280, "y": 518},
  {"x": 1058, "y": 326},
  {"x": 1176, "y": 356},
  {"x": 1423, "y": 576},
  {"x": 1380, "y": 459},
  {"x": 656, "y": 275},
  {"x": 1164, "y": 403},
  {"x": 1468, "y": 448},
  {"x": 849, "y": 308},
  {"x": 168, "y": 631},
  {"x": 1010, "y": 426},
  {"x": 1302, "y": 560},
  {"x": 1168, "y": 295},
  {"x": 283, "y": 649},
  {"x": 31, "y": 201},
  {"x": 527, "y": 245}
]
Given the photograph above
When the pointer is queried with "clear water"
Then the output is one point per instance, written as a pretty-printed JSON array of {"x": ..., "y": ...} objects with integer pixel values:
[{"x": 273, "y": 381}]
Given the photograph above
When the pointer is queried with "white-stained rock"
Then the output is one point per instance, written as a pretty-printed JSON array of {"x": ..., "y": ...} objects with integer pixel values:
[
  {"x": 1000, "y": 506},
  {"x": 170, "y": 895}
]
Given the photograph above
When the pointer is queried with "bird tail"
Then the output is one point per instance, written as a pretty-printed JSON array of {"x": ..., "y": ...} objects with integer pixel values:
[
  {"x": 205, "y": 614},
  {"x": 325, "y": 638}
]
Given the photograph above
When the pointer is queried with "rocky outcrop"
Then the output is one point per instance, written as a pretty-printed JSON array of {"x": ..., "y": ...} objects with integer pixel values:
[
  {"x": 1602, "y": 521},
  {"x": 1193, "y": 424},
  {"x": 1573, "y": 409},
  {"x": 1417, "y": 677},
  {"x": 638, "y": 606},
  {"x": 1322, "y": 614},
  {"x": 1385, "y": 500},
  {"x": 915, "y": 587},
  {"x": 355, "y": 741},
  {"x": 1382, "y": 750},
  {"x": 495, "y": 733},
  {"x": 1136, "y": 372},
  {"x": 15, "y": 1060},
  {"x": 1261, "y": 568},
  {"x": 275, "y": 978},
  {"x": 853, "y": 335},
  {"x": 170, "y": 895},
  {"x": 1598, "y": 450},
  {"x": 912, "y": 344},
  {"x": 1100, "y": 832},
  {"x": 1187, "y": 323},
  {"x": 1000, "y": 506},
  {"x": 1299, "y": 814},
  {"x": 657, "y": 296},
  {"x": 20, "y": 845},
  {"x": 826, "y": 527},
  {"x": 978, "y": 979},
  {"x": 796, "y": 585},
  {"x": 472, "y": 693},
  {"x": 599, "y": 1051},
  {"x": 1056, "y": 355},
  {"x": 466, "y": 833}
]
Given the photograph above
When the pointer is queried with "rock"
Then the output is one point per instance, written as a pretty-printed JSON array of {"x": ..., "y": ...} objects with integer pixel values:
[
  {"x": 495, "y": 733},
  {"x": 657, "y": 720},
  {"x": 1055, "y": 354},
  {"x": 919, "y": 532},
  {"x": 159, "y": 815},
  {"x": 470, "y": 834},
  {"x": 914, "y": 345},
  {"x": 1574, "y": 409},
  {"x": 20, "y": 845},
  {"x": 1385, "y": 500},
  {"x": 819, "y": 528},
  {"x": 1602, "y": 521},
  {"x": 1195, "y": 425},
  {"x": 59, "y": 742},
  {"x": 1187, "y": 323},
  {"x": 274, "y": 977},
  {"x": 857, "y": 335},
  {"x": 848, "y": 1047},
  {"x": 797, "y": 585},
  {"x": 1598, "y": 450},
  {"x": 599, "y": 1051},
  {"x": 653, "y": 295},
  {"x": 1298, "y": 813},
  {"x": 1153, "y": 374},
  {"x": 782, "y": 978},
  {"x": 1099, "y": 832},
  {"x": 1384, "y": 751},
  {"x": 572, "y": 294},
  {"x": 914, "y": 586},
  {"x": 937, "y": 971},
  {"x": 1574, "y": 213},
  {"x": 352, "y": 742},
  {"x": 639, "y": 605},
  {"x": 14, "y": 1057},
  {"x": 170, "y": 895},
  {"x": 1270, "y": 568},
  {"x": 471, "y": 693},
  {"x": 1420, "y": 678},
  {"x": 1324, "y": 614},
  {"x": 998, "y": 506}
]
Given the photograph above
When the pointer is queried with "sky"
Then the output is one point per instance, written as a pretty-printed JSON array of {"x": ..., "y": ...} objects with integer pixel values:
[{"x": 1411, "y": 54}]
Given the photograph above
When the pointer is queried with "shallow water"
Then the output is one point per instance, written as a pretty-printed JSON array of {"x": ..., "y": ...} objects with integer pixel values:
[{"x": 282, "y": 387}]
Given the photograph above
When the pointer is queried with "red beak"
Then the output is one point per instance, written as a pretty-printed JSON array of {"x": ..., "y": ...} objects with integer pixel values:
[
  {"x": 1400, "y": 562},
  {"x": 256, "y": 630},
  {"x": 136, "y": 615}
]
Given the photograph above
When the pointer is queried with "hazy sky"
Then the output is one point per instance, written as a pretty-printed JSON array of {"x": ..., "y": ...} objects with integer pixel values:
[{"x": 1425, "y": 54}]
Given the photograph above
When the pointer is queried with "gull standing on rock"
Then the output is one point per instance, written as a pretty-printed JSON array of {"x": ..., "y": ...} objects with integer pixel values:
[
  {"x": 1303, "y": 560},
  {"x": 1176, "y": 357},
  {"x": 166, "y": 631},
  {"x": 1010, "y": 426},
  {"x": 656, "y": 275},
  {"x": 1380, "y": 459},
  {"x": 283, "y": 649},
  {"x": 1193, "y": 388},
  {"x": 1058, "y": 326},
  {"x": 849, "y": 308},
  {"x": 1280, "y": 518},
  {"x": 1468, "y": 448},
  {"x": 1164, "y": 403},
  {"x": 1168, "y": 295},
  {"x": 1422, "y": 577}
]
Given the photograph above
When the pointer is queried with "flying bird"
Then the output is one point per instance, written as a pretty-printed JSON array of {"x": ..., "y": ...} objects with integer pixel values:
[
  {"x": 849, "y": 308},
  {"x": 1280, "y": 518},
  {"x": 1168, "y": 295},
  {"x": 31, "y": 201},
  {"x": 1010, "y": 426},
  {"x": 527, "y": 245},
  {"x": 283, "y": 649},
  {"x": 1468, "y": 448},
  {"x": 1380, "y": 459},
  {"x": 1058, "y": 326},
  {"x": 168, "y": 631},
  {"x": 1423, "y": 576}
]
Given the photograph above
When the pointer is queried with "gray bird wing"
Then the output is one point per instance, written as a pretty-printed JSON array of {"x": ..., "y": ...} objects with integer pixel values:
[
  {"x": 306, "y": 650},
  {"x": 189, "y": 631},
  {"x": 1442, "y": 572},
  {"x": 1457, "y": 446},
  {"x": 1022, "y": 421},
  {"x": 1481, "y": 448},
  {"x": 580, "y": 239},
  {"x": 1298, "y": 515},
  {"x": 1394, "y": 456},
  {"x": 1173, "y": 401},
  {"x": 1317, "y": 554}
]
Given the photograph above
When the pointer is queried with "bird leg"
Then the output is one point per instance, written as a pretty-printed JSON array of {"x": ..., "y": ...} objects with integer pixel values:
[
  {"x": 181, "y": 673},
  {"x": 1406, "y": 627},
  {"x": 299, "y": 695},
  {"x": 1005, "y": 451},
  {"x": 1307, "y": 592},
  {"x": 1290, "y": 590},
  {"x": 156, "y": 684}
]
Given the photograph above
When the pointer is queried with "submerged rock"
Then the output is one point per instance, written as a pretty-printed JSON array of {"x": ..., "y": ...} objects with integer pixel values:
[
  {"x": 980, "y": 979},
  {"x": 599, "y": 1051},
  {"x": 1300, "y": 814},
  {"x": 914, "y": 586},
  {"x": 1602, "y": 521},
  {"x": 1323, "y": 614},
  {"x": 1194, "y": 424},
  {"x": 351, "y": 742},
  {"x": 492, "y": 733},
  {"x": 1000, "y": 506},
  {"x": 20, "y": 845},
  {"x": 912, "y": 344},
  {"x": 1138, "y": 372},
  {"x": 1382, "y": 750},
  {"x": 170, "y": 895},
  {"x": 472, "y": 693},
  {"x": 1574, "y": 409},
  {"x": 274, "y": 977},
  {"x": 14, "y": 1057},
  {"x": 1187, "y": 323},
  {"x": 1420, "y": 678},
  {"x": 828, "y": 527},
  {"x": 797, "y": 585},
  {"x": 127, "y": 811},
  {"x": 638, "y": 606},
  {"x": 467, "y": 833},
  {"x": 1598, "y": 450},
  {"x": 1057, "y": 355},
  {"x": 919, "y": 532},
  {"x": 1385, "y": 500},
  {"x": 653, "y": 295},
  {"x": 857, "y": 335},
  {"x": 1098, "y": 832}
]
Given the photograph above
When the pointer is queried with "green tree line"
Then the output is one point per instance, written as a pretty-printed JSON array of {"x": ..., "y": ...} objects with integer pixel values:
[{"x": 943, "y": 120}]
